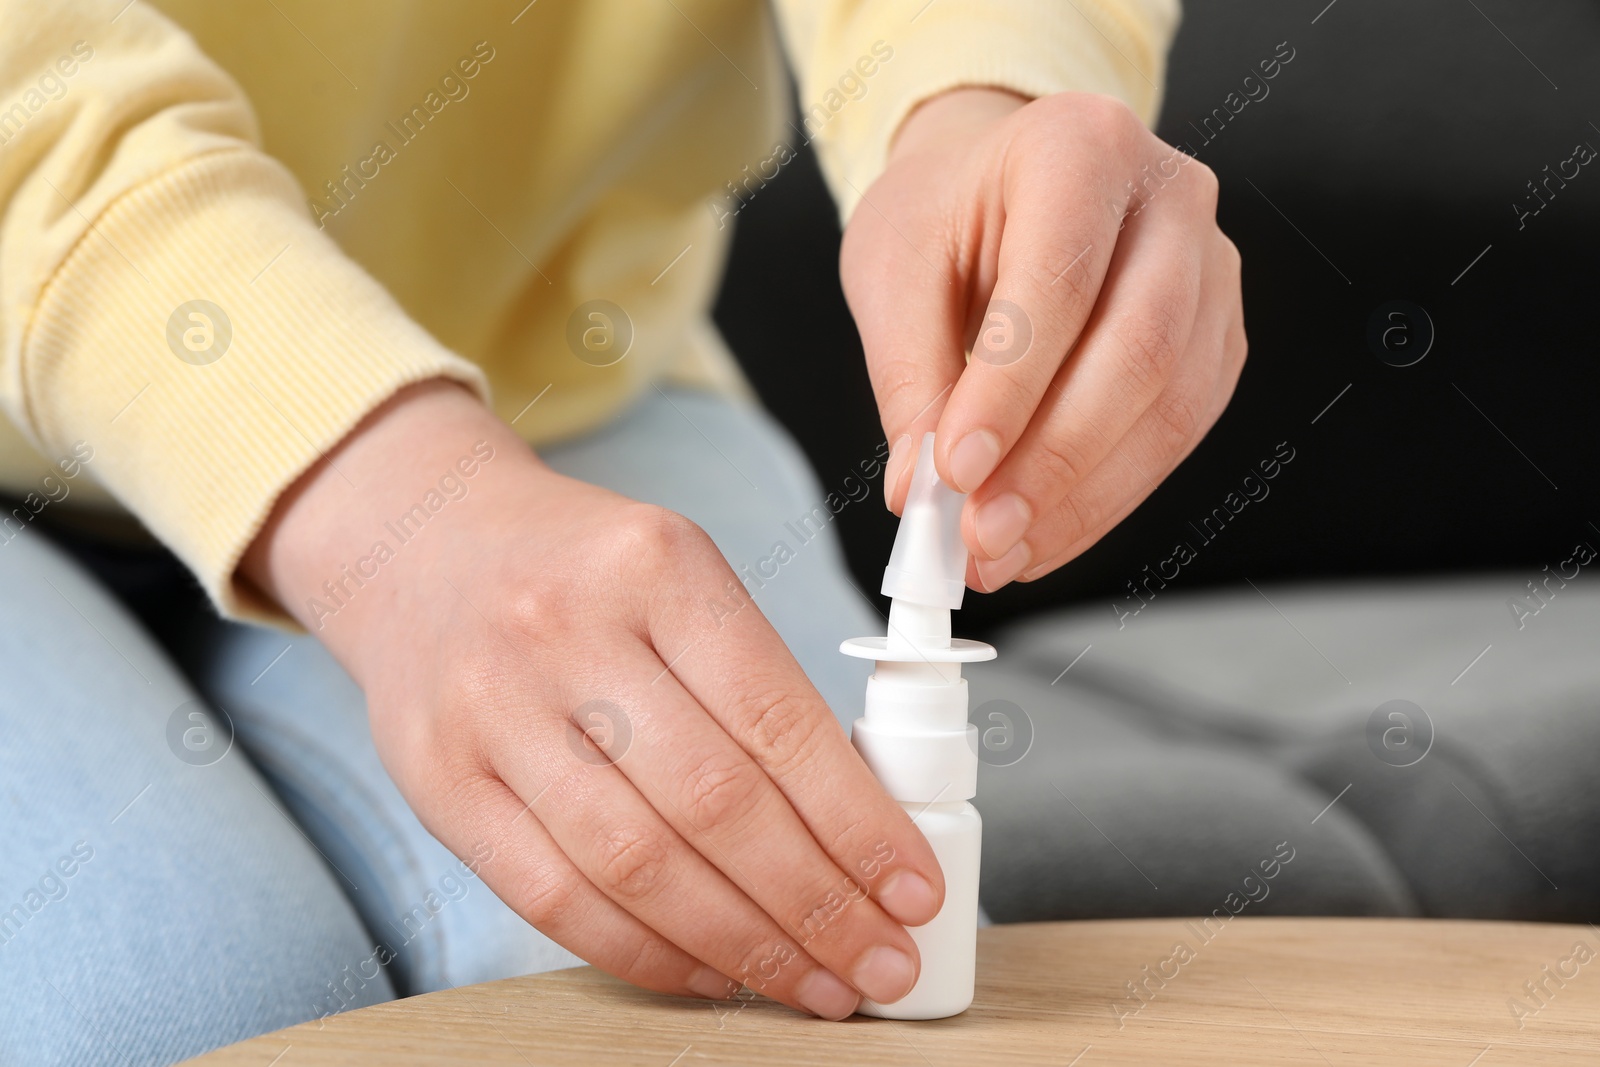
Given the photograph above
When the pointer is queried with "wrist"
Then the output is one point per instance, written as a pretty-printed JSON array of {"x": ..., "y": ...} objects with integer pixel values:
[
  {"x": 955, "y": 113},
  {"x": 344, "y": 547}
]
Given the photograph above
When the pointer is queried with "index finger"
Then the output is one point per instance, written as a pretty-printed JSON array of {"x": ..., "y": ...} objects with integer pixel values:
[
  {"x": 739, "y": 670},
  {"x": 1054, "y": 253}
]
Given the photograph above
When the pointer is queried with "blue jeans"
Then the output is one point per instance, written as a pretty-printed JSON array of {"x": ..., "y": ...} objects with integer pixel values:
[{"x": 167, "y": 888}]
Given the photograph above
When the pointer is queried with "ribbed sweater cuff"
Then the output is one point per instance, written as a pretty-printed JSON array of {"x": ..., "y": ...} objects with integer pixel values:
[
  {"x": 1030, "y": 47},
  {"x": 199, "y": 441}
]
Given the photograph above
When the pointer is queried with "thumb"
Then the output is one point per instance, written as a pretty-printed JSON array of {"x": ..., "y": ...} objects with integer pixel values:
[{"x": 910, "y": 310}]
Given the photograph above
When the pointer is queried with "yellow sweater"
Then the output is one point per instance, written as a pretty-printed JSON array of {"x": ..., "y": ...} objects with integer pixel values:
[{"x": 230, "y": 230}]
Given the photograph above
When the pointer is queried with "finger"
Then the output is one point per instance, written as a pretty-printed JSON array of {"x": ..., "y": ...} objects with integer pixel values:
[
  {"x": 1123, "y": 361},
  {"x": 1102, "y": 500},
  {"x": 1165, "y": 434},
  {"x": 716, "y": 797},
  {"x": 629, "y": 853},
  {"x": 911, "y": 329},
  {"x": 536, "y": 880},
  {"x": 1053, "y": 258},
  {"x": 737, "y": 668}
]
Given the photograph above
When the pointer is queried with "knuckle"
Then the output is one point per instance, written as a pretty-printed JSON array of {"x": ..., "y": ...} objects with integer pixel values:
[
  {"x": 632, "y": 863},
  {"x": 530, "y": 616},
  {"x": 1075, "y": 518},
  {"x": 1150, "y": 348},
  {"x": 1232, "y": 257},
  {"x": 899, "y": 384},
  {"x": 1177, "y": 420},
  {"x": 722, "y": 791},
  {"x": 1102, "y": 115},
  {"x": 660, "y": 534},
  {"x": 782, "y": 729},
  {"x": 545, "y": 895},
  {"x": 1064, "y": 457},
  {"x": 816, "y": 913},
  {"x": 651, "y": 963},
  {"x": 648, "y": 551},
  {"x": 847, "y": 840},
  {"x": 1072, "y": 288},
  {"x": 1065, "y": 123},
  {"x": 1203, "y": 180}
]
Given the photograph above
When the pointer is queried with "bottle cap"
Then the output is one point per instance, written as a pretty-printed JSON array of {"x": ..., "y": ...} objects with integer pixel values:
[{"x": 928, "y": 564}]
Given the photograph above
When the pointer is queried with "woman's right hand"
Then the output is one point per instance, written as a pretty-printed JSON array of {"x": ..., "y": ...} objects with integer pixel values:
[{"x": 580, "y": 682}]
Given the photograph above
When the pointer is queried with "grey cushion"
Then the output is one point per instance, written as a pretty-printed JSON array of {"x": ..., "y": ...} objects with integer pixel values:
[{"x": 1209, "y": 728}]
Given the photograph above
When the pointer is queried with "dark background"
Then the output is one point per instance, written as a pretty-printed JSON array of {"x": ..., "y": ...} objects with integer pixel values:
[{"x": 1392, "y": 148}]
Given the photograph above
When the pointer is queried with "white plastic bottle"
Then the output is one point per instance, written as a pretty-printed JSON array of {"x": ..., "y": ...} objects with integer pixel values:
[{"x": 915, "y": 737}]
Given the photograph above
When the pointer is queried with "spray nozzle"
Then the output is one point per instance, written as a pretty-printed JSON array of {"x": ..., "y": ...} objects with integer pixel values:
[{"x": 928, "y": 564}]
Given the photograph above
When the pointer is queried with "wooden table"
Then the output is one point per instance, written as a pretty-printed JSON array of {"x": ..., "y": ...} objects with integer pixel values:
[{"x": 1317, "y": 992}]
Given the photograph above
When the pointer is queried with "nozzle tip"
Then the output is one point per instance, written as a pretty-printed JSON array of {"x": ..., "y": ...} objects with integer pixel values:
[{"x": 928, "y": 564}]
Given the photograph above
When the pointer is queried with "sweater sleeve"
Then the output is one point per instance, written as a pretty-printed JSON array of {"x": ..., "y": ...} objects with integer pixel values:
[
  {"x": 166, "y": 302},
  {"x": 863, "y": 65}
]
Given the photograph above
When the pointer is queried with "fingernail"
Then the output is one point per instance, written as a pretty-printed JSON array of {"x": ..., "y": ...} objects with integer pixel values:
[
  {"x": 899, "y": 453},
  {"x": 1000, "y": 524},
  {"x": 908, "y": 898},
  {"x": 973, "y": 459},
  {"x": 825, "y": 996},
  {"x": 885, "y": 974},
  {"x": 994, "y": 573},
  {"x": 712, "y": 984}
]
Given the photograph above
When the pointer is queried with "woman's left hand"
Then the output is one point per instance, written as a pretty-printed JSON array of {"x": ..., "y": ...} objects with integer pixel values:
[{"x": 1077, "y": 257}]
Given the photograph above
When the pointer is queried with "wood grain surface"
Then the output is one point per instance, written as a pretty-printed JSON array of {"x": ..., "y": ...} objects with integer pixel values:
[{"x": 1317, "y": 992}]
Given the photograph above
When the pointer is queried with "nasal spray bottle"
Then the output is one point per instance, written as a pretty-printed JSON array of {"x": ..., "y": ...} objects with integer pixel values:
[{"x": 915, "y": 737}]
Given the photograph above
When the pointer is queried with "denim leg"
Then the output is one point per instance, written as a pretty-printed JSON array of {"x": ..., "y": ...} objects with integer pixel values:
[{"x": 155, "y": 900}]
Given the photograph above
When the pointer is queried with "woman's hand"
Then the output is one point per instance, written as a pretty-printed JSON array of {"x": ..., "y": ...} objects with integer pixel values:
[
  {"x": 580, "y": 681},
  {"x": 1078, "y": 259}
]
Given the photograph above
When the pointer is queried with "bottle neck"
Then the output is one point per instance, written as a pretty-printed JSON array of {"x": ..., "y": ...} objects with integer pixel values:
[{"x": 917, "y": 626}]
